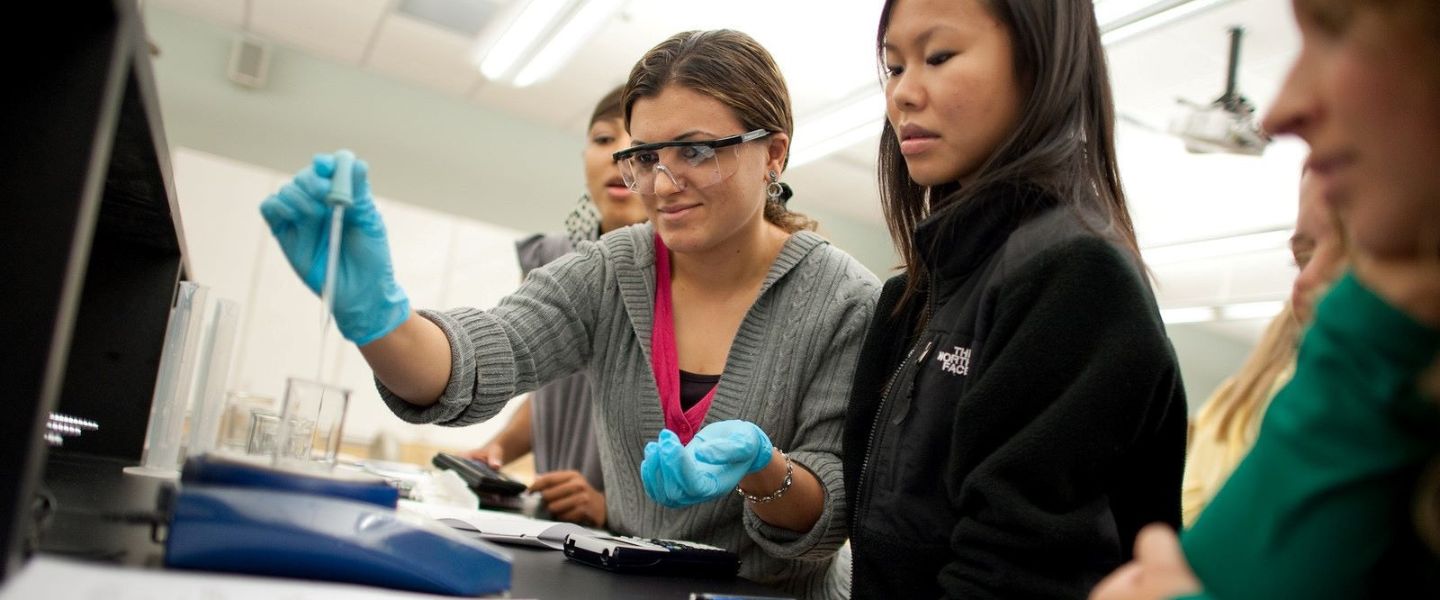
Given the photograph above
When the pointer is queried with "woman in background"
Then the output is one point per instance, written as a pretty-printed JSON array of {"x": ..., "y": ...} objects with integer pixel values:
[
  {"x": 1226, "y": 426},
  {"x": 1325, "y": 504},
  {"x": 1017, "y": 415},
  {"x": 555, "y": 421}
]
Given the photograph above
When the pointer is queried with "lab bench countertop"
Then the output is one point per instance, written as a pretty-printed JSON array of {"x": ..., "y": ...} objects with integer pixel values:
[{"x": 88, "y": 495}]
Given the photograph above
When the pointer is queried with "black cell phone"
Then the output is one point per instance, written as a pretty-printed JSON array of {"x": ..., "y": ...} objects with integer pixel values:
[
  {"x": 626, "y": 554},
  {"x": 478, "y": 475}
]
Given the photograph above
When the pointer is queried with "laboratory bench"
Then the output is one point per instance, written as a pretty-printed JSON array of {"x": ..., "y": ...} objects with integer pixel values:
[{"x": 88, "y": 494}]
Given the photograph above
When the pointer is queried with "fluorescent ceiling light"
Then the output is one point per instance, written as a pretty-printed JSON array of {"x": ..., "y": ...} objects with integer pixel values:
[
  {"x": 1193, "y": 314},
  {"x": 1251, "y": 310},
  {"x": 567, "y": 40},
  {"x": 534, "y": 38},
  {"x": 1123, "y": 19},
  {"x": 520, "y": 27},
  {"x": 854, "y": 119},
  {"x": 1239, "y": 311},
  {"x": 1217, "y": 247},
  {"x": 1113, "y": 13},
  {"x": 843, "y": 125}
]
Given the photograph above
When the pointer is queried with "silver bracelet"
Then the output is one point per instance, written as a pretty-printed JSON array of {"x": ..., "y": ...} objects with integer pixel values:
[{"x": 775, "y": 495}]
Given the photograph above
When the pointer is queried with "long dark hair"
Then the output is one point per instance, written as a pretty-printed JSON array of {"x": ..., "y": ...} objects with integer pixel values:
[
  {"x": 733, "y": 68},
  {"x": 1063, "y": 144}
]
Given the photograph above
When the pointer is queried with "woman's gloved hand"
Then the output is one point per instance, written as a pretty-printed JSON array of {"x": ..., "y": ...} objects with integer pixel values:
[
  {"x": 368, "y": 301},
  {"x": 712, "y": 465}
]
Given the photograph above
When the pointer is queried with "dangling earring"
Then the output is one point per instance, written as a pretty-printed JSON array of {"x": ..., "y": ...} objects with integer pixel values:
[{"x": 774, "y": 191}]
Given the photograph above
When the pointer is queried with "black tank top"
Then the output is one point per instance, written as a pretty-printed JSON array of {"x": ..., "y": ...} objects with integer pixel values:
[{"x": 694, "y": 387}]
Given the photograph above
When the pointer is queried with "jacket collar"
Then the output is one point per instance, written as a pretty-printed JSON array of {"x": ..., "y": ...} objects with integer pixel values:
[{"x": 963, "y": 234}]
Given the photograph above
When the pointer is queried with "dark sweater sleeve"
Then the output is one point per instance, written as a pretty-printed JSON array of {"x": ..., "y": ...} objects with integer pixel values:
[
  {"x": 1072, "y": 435},
  {"x": 1328, "y": 486}
]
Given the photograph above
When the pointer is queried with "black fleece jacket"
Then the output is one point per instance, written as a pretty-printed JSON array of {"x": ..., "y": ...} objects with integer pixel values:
[{"x": 1014, "y": 446}]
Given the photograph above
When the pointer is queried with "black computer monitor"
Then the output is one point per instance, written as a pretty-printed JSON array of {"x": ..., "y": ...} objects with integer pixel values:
[{"x": 92, "y": 248}]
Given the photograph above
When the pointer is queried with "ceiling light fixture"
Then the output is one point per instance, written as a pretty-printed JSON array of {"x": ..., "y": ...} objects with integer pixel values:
[
  {"x": 858, "y": 117},
  {"x": 1245, "y": 243},
  {"x": 532, "y": 39},
  {"x": 844, "y": 124},
  {"x": 1238, "y": 311},
  {"x": 1189, "y": 314},
  {"x": 1124, "y": 19},
  {"x": 1242, "y": 311}
]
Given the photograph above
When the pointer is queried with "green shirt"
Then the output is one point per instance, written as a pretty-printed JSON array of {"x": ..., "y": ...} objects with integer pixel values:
[{"x": 1327, "y": 489}]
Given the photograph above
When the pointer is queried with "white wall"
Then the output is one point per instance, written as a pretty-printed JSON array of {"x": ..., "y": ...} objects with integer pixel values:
[
  {"x": 451, "y": 156},
  {"x": 441, "y": 260},
  {"x": 436, "y": 151}
]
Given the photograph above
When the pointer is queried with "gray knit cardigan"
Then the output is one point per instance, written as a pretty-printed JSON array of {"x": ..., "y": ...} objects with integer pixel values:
[{"x": 789, "y": 371}]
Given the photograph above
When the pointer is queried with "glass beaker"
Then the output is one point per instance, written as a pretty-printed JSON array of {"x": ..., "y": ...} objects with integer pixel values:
[
  {"x": 312, "y": 419},
  {"x": 238, "y": 422},
  {"x": 261, "y": 439}
]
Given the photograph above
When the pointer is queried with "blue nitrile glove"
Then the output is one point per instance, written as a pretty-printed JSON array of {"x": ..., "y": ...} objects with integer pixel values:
[
  {"x": 368, "y": 301},
  {"x": 710, "y": 467}
]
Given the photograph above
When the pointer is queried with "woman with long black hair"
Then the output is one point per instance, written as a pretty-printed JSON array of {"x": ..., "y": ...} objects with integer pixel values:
[{"x": 1017, "y": 415}]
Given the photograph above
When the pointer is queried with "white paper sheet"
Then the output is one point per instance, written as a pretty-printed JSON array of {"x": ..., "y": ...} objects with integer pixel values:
[{"x": 500, "y": 527}]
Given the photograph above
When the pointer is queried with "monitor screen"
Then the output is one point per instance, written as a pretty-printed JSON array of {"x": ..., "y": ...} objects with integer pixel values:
[{"x": 93, "y": 247}]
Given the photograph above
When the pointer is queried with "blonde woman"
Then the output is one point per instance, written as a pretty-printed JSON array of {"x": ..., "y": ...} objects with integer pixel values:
[
  {"x": 1323, "y": 505},
  {"x": 1225, "y": 429}
]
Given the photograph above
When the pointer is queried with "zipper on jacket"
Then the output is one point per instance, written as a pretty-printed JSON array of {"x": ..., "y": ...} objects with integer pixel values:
[
  {"x": 924, "y": 353},
  {"x": 875, "y": 424},
  {"x": 900, "y": 403}
]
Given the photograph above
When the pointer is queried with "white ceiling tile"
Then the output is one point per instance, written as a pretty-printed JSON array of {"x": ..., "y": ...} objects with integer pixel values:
[
  {"x": 336, "y": 29},
  {"x": 822, "y": 62},
  {"x": 230, "y": 13},
  {"x": 1247, "y": 277},
  {"x": 1174, "y": 195},
  {"x": 416, "y": 51},
  {"x": 1195, "y": 283},
  {"x": 558, "y": 106},
  {"x": 1189, "y": 60},
  {"x": 1260, "y": 276},
  {"x": 566, "y": 100}
]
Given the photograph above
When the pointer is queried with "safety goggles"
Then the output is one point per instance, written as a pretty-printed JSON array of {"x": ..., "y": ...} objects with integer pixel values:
[{"x": 687, "y": 163}]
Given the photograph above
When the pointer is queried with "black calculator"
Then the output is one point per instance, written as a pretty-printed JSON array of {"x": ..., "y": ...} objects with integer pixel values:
[
  {"x": 626, "y": 554},
  {"x": 478, "y": 475}
]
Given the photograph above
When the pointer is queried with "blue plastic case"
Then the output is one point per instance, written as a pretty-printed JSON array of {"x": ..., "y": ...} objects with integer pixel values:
[
  {"x": 288, "y": 534},
  {"x": 212, "y": 470}
]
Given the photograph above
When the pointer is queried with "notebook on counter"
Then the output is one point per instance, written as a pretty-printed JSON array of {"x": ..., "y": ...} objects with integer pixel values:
[{"x": 503, "y": 528}]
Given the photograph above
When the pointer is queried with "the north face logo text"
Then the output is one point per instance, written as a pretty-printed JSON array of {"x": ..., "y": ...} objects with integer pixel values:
[{"x": 955, "y": 363}]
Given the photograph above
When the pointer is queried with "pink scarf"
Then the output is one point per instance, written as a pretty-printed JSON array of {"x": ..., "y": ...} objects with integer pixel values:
[{"x": 664, "y": 361}]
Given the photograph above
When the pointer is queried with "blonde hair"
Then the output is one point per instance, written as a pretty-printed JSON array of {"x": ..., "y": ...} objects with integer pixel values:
[
  {"x": 1239, "y": 406},
  {"x": 1222, "y": 433}
]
